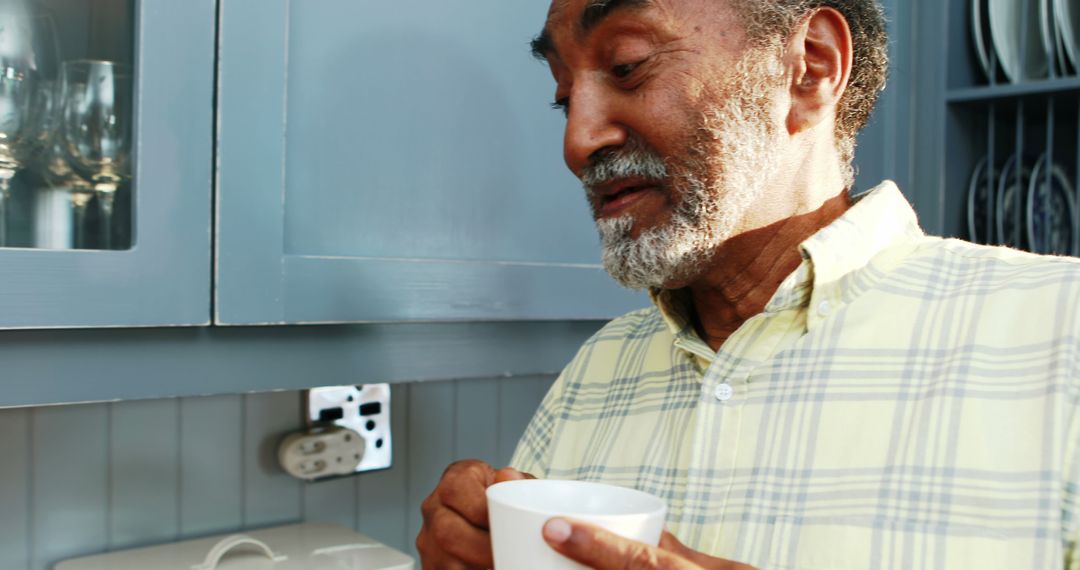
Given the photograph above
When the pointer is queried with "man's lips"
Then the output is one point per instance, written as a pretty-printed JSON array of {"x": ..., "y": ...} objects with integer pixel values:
[{"x": 612, "y": 199}]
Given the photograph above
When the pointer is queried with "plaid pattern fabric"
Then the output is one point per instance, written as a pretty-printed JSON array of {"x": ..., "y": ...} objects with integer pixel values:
[{"x": 903, "y": 402}]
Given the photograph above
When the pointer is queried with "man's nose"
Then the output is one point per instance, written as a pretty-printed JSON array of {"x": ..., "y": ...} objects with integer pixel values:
[{"x": 591, "y": 126}]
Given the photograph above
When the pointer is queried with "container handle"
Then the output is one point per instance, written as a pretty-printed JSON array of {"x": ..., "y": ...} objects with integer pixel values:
[{"x": 228, "y": 544}]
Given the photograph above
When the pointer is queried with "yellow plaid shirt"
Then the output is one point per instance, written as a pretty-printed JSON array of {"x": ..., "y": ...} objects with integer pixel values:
[{"x": 903, "y": 402}]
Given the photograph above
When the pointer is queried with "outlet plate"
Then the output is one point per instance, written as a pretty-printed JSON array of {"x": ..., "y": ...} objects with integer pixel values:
[{"x": 364, "y": 409}]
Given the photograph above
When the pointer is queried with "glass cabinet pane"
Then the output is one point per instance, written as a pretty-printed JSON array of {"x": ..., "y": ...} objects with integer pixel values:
[{"x": 66, "y": 113}]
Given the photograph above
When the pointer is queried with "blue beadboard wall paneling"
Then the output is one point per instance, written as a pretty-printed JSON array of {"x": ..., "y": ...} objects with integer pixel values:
[
  {"x": 83, "y": 479},
  {"x": 15, "y": 489},
  {"x": 540, "y": 386},
  {"x": 476, "y": 431},
  {"x": 48, "y": 367},
  {"x": 211, "y": 459},
  {"x": 331, "y": 501},
  {"x": 271, "y": 496},
  {"x": 145, "y": 473},
  {"x": 430, "y": 443},
  {"x": 70, "y": 483},
  {"x": 517, "y": 403},
  {"x": 382, "y": 496}
]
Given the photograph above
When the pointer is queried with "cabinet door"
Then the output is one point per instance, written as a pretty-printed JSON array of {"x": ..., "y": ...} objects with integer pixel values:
[
  {"x": 154, "y": 267},
  {"x": 396, "y": 161}
]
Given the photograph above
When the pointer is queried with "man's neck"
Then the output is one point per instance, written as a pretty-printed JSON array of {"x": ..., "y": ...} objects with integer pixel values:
[{"x": 749, "y": 268}]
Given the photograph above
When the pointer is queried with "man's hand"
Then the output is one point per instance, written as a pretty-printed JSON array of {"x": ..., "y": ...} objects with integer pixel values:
[
  {"x": 455, "y": 533},
  {"x": 602, "y": 550}
]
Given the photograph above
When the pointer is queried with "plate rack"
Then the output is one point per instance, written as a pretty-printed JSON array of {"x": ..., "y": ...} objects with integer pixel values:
[{"x": 1011, "y": 157}]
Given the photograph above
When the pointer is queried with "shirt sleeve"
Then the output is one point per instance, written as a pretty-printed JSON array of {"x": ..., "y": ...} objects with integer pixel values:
[{"x": 533, "y": 452}]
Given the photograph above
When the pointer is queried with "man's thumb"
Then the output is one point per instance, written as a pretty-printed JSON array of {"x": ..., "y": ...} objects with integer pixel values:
[{"x": 511, "y": 474}]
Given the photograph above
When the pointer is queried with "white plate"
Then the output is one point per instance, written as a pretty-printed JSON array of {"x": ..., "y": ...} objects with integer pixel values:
[
  {"x": 978, "y": 21},
  {"x": 1006, "y": 17},
  {"x": 1067, "y": 15},
  {"x": 1064, "y": 63},
  {"x": 1047, "y": 31}
]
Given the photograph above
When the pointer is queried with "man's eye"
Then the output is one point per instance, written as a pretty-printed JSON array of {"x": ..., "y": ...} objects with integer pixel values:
[
  {"x": 624, "y": 70},
  {"x": 562, "y": 105}
]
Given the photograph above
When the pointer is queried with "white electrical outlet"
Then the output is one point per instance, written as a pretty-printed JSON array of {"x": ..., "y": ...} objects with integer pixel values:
[{"x": 364, "y": 409}]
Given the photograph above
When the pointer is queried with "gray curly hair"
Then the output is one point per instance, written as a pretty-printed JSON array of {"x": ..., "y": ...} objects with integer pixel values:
[{"x": 769, "y": 22}]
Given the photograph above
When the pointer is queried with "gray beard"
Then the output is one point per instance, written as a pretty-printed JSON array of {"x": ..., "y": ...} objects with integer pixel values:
[{"x": 724, "y": 175}]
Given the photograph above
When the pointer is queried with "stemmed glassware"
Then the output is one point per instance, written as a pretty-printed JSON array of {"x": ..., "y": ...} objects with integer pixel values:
[
  {"x": 17, "y": 88},
  {"x": 95, "y": 99},
  {"x": 49, "y": 159},
  {"x": 69, "y": 122}
]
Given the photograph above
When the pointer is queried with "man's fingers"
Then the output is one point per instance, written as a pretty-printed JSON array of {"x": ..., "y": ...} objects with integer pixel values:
[
  {"x": 602, "y": 550},
  {"x": 511, "y": 474},
  {"x": 671, "y": 544},
  {"x": 463, "y": 491},
  {"x": 456, "y": 537},
  {"x": 432, "y": 558}
]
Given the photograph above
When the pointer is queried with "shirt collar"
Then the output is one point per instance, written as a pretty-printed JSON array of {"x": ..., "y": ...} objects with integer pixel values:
[{"x": 878, "y": 220}]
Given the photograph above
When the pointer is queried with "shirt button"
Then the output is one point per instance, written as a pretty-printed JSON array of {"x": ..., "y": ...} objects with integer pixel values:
[
  {"x": 724, "y": 392},
  {"x": 824, "y": 308}
]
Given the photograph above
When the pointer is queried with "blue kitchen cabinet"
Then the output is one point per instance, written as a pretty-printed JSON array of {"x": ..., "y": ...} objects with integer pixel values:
[
  {"x": 374, "y": 163},
  {"x": 389, "y": 161},
  {"x": 161, "y": 275}
]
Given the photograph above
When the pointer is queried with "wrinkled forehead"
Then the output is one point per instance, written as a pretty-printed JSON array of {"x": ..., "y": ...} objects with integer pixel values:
[
  {"x": 586, "y": 14},
  {"x": 579, "y": 17}
]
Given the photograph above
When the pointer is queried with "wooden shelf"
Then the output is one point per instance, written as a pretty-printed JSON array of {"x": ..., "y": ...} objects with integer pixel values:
[{"x": 1012, "y": 90}]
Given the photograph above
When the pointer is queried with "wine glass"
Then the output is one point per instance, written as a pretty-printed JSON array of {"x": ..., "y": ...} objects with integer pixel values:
[
  {"x": 96, "y": 103},
  {"x": 16, "y": 98},
  {"x": 49, "y": 158},
  {"x": 45, "y": 67},
  {"x": 56, "y": 171}
]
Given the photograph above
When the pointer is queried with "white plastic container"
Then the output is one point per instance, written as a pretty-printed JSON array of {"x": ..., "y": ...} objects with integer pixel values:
[{"x": 310, "y": 546}]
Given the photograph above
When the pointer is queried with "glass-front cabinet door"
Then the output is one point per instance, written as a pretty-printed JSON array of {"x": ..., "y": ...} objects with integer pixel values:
[{"x": 106, "y": 135}]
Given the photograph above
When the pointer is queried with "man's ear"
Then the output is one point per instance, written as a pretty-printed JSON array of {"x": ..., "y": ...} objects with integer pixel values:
[{"x": 819, "y": 59}]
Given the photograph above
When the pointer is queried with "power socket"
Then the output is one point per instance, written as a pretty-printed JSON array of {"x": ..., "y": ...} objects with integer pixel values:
[{"x": 364, "y": 409}]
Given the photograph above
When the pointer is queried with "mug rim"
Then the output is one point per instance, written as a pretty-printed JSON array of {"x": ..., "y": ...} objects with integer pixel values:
[{"x": 498, "y": 494}]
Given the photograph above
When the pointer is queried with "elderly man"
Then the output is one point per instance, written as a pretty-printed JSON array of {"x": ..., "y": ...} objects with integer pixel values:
[{"x": 820, "y": 385}]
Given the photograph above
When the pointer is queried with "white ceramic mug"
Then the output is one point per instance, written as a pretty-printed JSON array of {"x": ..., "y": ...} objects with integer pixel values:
[{"x": 519, "y": 509}]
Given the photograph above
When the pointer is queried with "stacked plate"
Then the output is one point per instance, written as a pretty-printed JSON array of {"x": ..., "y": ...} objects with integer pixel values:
[
  {"x": 1067, "y": 18},
  {"x": 1026, "y": 39},
  {"x": 1031, "y": 208}
]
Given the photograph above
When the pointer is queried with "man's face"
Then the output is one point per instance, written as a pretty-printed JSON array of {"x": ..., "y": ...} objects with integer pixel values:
[{"x": 671, "y": 126}]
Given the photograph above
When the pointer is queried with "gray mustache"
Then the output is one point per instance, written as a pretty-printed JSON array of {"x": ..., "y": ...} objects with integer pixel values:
[{"x": 626, "y": 162}]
